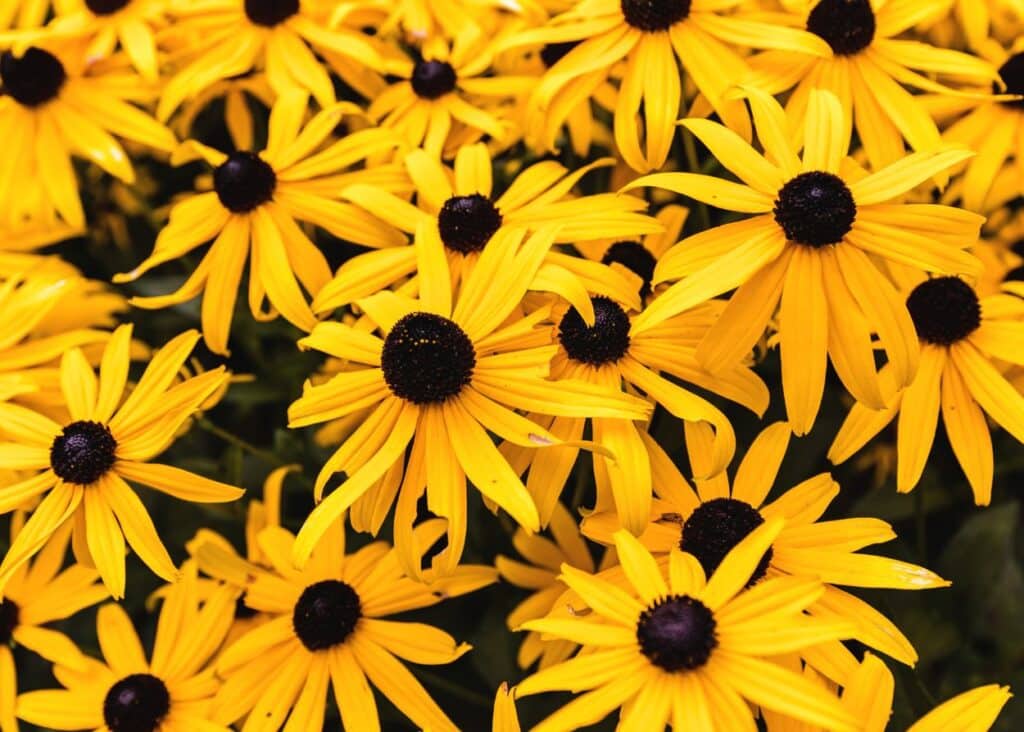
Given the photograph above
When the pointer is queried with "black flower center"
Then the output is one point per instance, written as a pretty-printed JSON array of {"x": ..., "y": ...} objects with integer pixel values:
[
  {"x": 105, "y": 7},
  {"x": 654, "y": 15},
  {"x": 83, "y": 452},
  {"x": 552, "y": 53},
  {"x": 467, "y": 223},
  {"x": 848, "y": 26},
  {"x": 326, "y": 614},
  {"x": 426, "y": 358},
  {"x": 1012, "y": 74},
  {"x": 944, "y": 310},
  {"x": 8, "y": 620},
  {"x": 244, "y": 181},
  {"x": 432, "y": 79},
  {"x": 677, "y": 633},
  {"x": 606, "y": 341},
  {"x": 635, "y": 257},
  {"x": 815, "y": 209},
  {"x": 33, "y": 79},
  {"x": 136, "y": 703},
  {"x": 717, "y": 526},
  {"x": 270, "y": 12}
]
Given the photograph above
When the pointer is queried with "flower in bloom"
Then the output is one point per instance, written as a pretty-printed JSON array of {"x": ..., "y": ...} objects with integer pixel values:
[
  {"x": 668, "y": 645},
  {"x": 82, "y": 464},
  {"x": 811, "y": 252}
]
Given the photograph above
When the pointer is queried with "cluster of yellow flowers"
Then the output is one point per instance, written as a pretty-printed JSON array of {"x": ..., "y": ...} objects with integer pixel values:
[{"x": 515, "y": 230}]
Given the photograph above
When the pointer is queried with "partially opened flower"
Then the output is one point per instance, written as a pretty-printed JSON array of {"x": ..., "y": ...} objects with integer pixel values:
[
  {"x": 964, "y": 337},
  {"x": 670, "y": 646},
  {"x": 109, "y": 438},
  {"x": 811, "y": 251}
]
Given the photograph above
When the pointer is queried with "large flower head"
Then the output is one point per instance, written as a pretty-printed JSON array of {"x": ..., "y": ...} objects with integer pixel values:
[
  {"x": 671, "y": 646},
  {"x": 810, "y": 252},
  {"x": 964, "y": 339},
  {"x": 258, "y": 198},
  {"x": 82, "y": 464},
  {"x": 448, "y": 370}
]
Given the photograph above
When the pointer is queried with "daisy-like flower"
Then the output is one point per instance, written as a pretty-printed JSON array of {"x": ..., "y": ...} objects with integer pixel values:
[
  {"x": 457, "y": 209},
  {"x": 328, "y": 626},
  {"x": 56, "y": 112},
  {"x": 258, "y": 198},
  {"x": 82, "y": 464},
  {"x": 280, "y": 36},
  {"x": 449, "y": 368},
  {"x": 963, "y": 338},
  {"x": 868, "y": 72},
  {"x": 654, "y": 37},
  {"x": 41, "y": 593},
  {"x": 671, "y": 647},
  {"x": 170, "y": 692},
  {"x": 809, "y": 252},
  {"x": 709, "y": 521}
]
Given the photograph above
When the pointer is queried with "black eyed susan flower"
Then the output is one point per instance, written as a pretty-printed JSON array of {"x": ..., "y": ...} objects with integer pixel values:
[
  {"x": 58, "y": 112},
  {"x": 710, "y": 521},
  {"x": 458, "y": 209},
  {"x": 82, "y": 464},
  {"x": 449, "y": 369},
  {"x": 258, "y": 198},
  {"x": 655, "y": 38},
  {"x": 672, "y": 647},
  {"x": 963, "y": 339},
  {"x": 868, "y": 73},
  {"x": 329, "y": 628},
  {"x": 809, "y": 252},
  {"x": 169, "y": 692}
]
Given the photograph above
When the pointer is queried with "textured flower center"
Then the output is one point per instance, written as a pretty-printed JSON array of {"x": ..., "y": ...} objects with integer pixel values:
[
  {"x": 244, "y": 181},
  {"x": 606, "y": 341},
  {"x": 33, "y": 79},
  {"x": 677, "y": 633},
  {"x": 1012, "y": 74},
  {"x": 270, "y": 12},
  {"x": 467, "y": 223},
  {"x": 944, "y": 310},
  {"x": 326, "y": 614},
  {"x": 83, "y": 452},
  {"x": 105, "y": 7},
  {"x": 8, "y": 620},
  {"x": 427, "y": 359},
  {"x": 552, "y": 53},
  {"x": 654, "y": 15},
  {"x": 848, "y": 26},
  {"x": 635, "y": 257},
  {"x": 815, "y": 209},
  {"x": 432, "y": 79},
  {"x": 717, "y": 526},
  {"x": 136, "y": 703}
]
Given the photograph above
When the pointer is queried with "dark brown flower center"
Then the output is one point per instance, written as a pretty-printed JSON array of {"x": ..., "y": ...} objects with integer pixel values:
[
  {"x": 1012, "y": 74},
  {"x": 427, "y": 359},
  {"x": 715, "y": 528},
  {"x": 244, "y": 181},
  {"x": 944, "y": 310},
  {"x": 677, "y": 633},
  {"x": 83, "y": 452},
  {"x": 606, "y": 341},
  {"x": 432, "y": 79},
  {"x": 33, "y": 79},
  {"x": 105, "y": 7},
  {"x": 326, "y": 614},
  {"x": 270, "y": 12},
  {"x": 848, "y": 26},
  {"x": 815, "y": 209},
  {"x": 136, "y": 703},
  {"x": 467, "y": 223},
  {"x": 635, "y": 257},
  {"x": 654, "y": 15}
]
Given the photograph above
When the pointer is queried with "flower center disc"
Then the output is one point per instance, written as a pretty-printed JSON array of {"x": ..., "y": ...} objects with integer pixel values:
[
  {"x": 635, "y": 257},
  {"x": 815, "y": 209},
  {"x": 654, "y": 15},
  {"x": 326, "y": 614},
  {"x": 944, "y": 310},
  {"x": 677, "y": 633},
  {"x": 467, "y": 223},
  {"x": 83, "y": 452},
  {"x": 33, "y": 79},
  {"x": 105, "y": 7},
  {"x": 136, "y": 703},
  {"x": 432, "y": 79},
  {"x": 848, "y": 26},
  {"x": 1012, "y": 74},
  {"x": 9, "y": 614},
  {"x": 244, "y": 181},
  {"x": 270, "y": 12},
  {"x": 427, "y": 359},
  {"x": 717, "y": 526},
  {"x": 606, "y": 341}
]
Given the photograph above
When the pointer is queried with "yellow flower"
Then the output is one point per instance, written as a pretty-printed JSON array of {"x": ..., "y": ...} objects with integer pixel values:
[
  {"x": 812, "y": 250},
  {"x": 82, "y": 465},
  {"x": 686, "y": 650}
]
